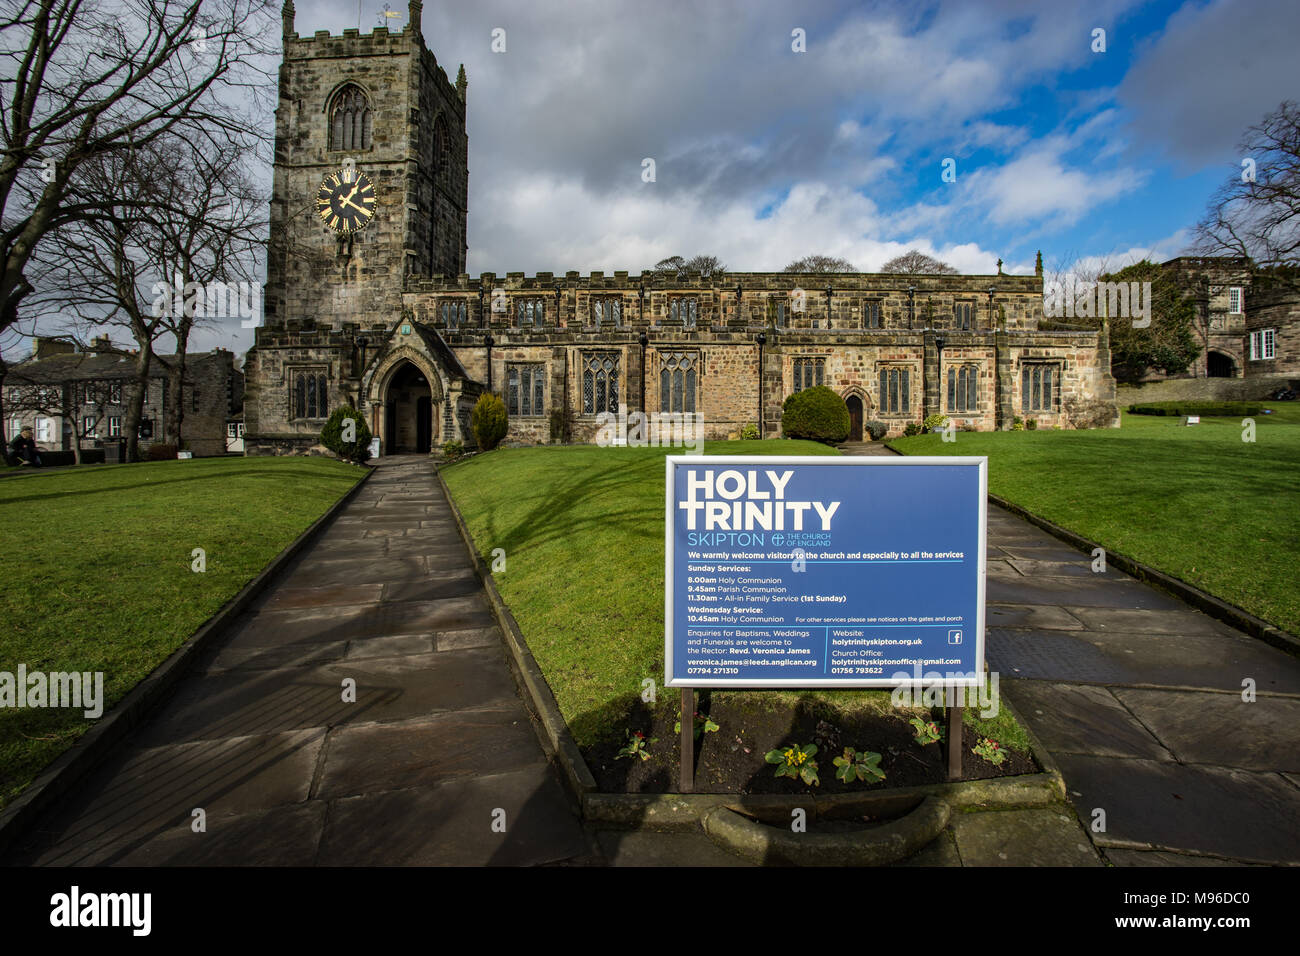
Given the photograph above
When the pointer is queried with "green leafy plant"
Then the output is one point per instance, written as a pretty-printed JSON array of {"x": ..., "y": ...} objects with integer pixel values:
[
  {"x": 858, "y": 765},
  {"x": 877, "y": 430},
  {"x": 933, "y": 423},
  {"x": 927, "y": 731},
  {"x": 703, "y": 725},
  {"x": 488, "y": 419},
  {"x": 1017, "y": 424},
  {"x": 815, "y": 413},
  {"x": 638, "y": 745},
  {"x": 796, "y": 761},
  {"x": 453, "y": 449},
  {"x": 911, "y": 428},
  {"x": 989, "y": 749},
  {"x": 749, "y": 432},
  {"x": 1031, "y": 424},
  {"x": 332, "y": 435}
]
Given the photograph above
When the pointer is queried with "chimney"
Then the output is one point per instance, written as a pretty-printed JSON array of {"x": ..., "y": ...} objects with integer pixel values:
[
  {"x": 100, "y": 344},
  {"x": 44, "y": 346}
]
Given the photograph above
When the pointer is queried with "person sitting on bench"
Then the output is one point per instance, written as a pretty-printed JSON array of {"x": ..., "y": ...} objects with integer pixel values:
[{"x": 24, "y": 449}]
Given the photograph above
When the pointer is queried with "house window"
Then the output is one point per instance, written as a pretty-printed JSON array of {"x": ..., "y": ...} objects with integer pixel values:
[
  {"x": 115, "y": 394},
  {"x": 1263, "y": 344},
  {"x": 230, "y": 430},
  {"x": 1234, "y": 300},
  {"x": 678, "y": 377},
  {"x": 453, "y": 313},
  {"x": 684, "y": 309},
  {"x": 808, "y": 372},
  {"x": 114, "y": 426},
  {"x": 525, "y": 386},
  {"x": 607, "y": 309},
  {"x": 309, "y": 395},
  {"x": 350, "y": 119},
  {"x": 964, "y": 316},
  {"x": 963, "y": 384},
  {"x": 530, "y": 313},
  {"x": 871, "y": 315},
  {"x": 87, "y": 426},
  {"x": 895, "y": 393},
  {"x": 1037, "y": 384},
  {"x": 599, "y": 382},
  {"x": 44, "y": 428}
]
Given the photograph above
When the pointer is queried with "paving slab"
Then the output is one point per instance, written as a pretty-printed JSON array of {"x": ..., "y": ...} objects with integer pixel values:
[
  {"x": 1042, "y": 837},
  {"x": 639, "y": 848},
  {"x": 283, "y": 836},
  {"x": 461, "y": 744},
  {"x": 452, "y": 824},
  {"x": 1222, "y": 811},
  {"x": 1222, "y": 729},
  {"x": 941, "y": 851},
  {"x": 1163, "y": 858},
  {"x": 1080, "y": 718},
  {"x": 1037, "y": 616},
  {"x": 139, "y": 794},
  {"x": 1080, "y": 591},
  {"x": 1051, "y": 655}
]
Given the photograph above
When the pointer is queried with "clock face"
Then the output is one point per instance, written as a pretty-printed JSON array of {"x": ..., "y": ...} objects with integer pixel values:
[{"x": 346, "y": 201}]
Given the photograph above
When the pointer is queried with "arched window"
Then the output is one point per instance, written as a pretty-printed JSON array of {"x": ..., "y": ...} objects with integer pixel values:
[
  {"x": 350, "y": 119},
  {"x": 441, "y": 148},
  {"x": 310, "y": 393}
]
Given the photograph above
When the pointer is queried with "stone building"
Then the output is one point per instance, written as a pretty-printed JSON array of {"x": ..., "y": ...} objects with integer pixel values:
[
  {"x": 368, "y": 304},
  {"x": 77, "y": 398}
]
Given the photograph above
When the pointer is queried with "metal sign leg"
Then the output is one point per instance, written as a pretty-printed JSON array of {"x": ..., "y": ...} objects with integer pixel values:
[{"x": 688, "y": 741}]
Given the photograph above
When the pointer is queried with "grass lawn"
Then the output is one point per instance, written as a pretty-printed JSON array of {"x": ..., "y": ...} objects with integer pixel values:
[
  {"x": 583, "y": 532},
  {"x": 1196, "y": 501},
  {"x": 96, "y": 565}
]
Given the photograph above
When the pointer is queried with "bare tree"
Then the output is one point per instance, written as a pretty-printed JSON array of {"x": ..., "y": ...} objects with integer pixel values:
[
  {"x": 819, "y": 264},
  {"x": 704, "y": 265},
  {"x": 916, "y": 262},
  {"x": 1256, "y": 214},
  {"x": 89, "y": 79}
]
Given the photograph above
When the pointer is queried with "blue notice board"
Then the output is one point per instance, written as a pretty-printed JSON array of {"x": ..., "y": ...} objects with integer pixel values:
[{"x": 824, "y": 572}]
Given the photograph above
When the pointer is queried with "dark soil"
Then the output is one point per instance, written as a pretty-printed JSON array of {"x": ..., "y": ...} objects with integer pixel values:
[{"x": 731, "y": 759}]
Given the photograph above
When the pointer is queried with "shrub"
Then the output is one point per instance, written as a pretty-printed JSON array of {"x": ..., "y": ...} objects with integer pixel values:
[
  {"x": 488, "y": 421},
  {"x": 912, "y": 428},
  {"x": 933, "y": 423},
  {"x": 815, "y": 413},
  {"x": 877, "y": 430},
  {"x": 1209, "y": 409},
  {"x": 451, "y": 450},
  {"x": 331, "y": 436},
  {"x": 161, "y": 451},
  {"x": 749, "y": 432},
  {"x": 1031, "y": 424}
]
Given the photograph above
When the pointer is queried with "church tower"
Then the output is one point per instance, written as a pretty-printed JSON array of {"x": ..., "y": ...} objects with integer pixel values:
[{"x": 370, "y": 186}]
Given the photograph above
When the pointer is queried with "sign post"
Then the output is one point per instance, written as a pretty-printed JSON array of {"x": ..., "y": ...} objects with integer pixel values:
[{"x": 807, "y": 572}]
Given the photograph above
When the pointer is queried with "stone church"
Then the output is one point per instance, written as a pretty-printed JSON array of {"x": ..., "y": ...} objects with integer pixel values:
[{"x": 368, "y": 303}]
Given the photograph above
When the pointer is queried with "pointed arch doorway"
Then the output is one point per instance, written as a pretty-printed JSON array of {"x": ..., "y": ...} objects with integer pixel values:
[{"x": 409, "y": 422}]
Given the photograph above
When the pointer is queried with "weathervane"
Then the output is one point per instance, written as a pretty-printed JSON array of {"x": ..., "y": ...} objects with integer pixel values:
[{"x": 386, "y": 14}]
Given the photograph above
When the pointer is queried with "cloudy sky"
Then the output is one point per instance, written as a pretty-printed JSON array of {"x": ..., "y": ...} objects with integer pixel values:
[{"x": 763, "y": 154}]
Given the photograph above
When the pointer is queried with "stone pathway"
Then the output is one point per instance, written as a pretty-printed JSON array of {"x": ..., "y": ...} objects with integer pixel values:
[
  {"x": 436, "y": 747},
  {"x": 1139, "y": 698}
]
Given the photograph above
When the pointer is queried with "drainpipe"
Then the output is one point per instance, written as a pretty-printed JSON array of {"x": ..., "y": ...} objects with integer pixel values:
[
  {"x": 488, "y": 341},
  {"x": 762, "y": 340}
]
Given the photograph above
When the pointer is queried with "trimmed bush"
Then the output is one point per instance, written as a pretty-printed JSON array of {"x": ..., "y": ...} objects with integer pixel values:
[
  {"x": 817, "y": 414},
  {"x": 1209, "y": 409},
  {"x": 933, "y": 423},
  {"x": 749, "y": 432},
  {"x": 488, "y": 421},
  {"x": 912, "y": 428},
  {"x": 161, "y": 451},
  {"x": 331, "y": 436},
  {"x": 1031, "y": 424},
  {"x": 877, "y": 430}
]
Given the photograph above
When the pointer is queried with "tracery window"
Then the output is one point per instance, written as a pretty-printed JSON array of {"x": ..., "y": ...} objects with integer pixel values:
[
  {"x": 351, "y": 119},
  {"x": 678, "y": 380},
  {"x": 600, "y": 382}
]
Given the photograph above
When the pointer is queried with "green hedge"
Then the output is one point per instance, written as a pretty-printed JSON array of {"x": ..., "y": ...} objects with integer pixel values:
[
  {"x": 817, "y": 414},
  {"x": 1176, "y": 409}
]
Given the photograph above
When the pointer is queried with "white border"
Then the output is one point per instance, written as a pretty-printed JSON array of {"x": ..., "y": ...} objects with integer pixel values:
[{"x": 672, "y": 461}]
